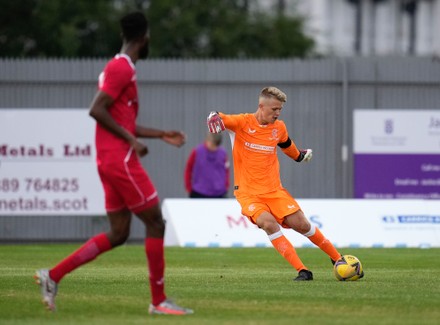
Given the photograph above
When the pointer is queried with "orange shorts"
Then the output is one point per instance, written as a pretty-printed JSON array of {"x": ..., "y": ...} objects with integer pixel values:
[{"x": 279, "y": 203}]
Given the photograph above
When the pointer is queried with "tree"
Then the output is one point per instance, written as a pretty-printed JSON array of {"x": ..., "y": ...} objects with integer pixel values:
[
  {"x": 223, "y": 29},
  {"x": 68, "y": 28},
  {"x": 179, "y": 29}
]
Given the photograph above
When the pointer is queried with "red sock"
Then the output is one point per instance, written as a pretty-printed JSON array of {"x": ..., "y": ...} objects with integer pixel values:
[
  {"x": 86, "y": 253},
  {"x": 324, "y": 244},
  {"x": 156, "y": 266}
]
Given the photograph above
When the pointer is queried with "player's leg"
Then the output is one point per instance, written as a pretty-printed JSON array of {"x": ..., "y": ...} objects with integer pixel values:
[
  {"x": 49, "y": 279},
  {"x": 118, "y": 234},
  {"x": 154, "y": 249},
  {"x": 298, "y": 222},
  {"x": 269, "y": 224},
  {"x": 141, "y": 197},
  {"x": 256, "y": 210}
]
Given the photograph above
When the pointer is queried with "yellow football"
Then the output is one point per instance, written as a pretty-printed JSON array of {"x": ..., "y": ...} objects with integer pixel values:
[{"x": 348, "y": 268}]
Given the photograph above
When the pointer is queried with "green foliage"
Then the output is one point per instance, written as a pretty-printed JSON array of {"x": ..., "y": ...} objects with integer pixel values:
[
  {"x": 223, "y": 29},
  {"x": 179, "y": 29},
  {"x": 68, "y": 28},
  {"x": 243, "y": 286}
]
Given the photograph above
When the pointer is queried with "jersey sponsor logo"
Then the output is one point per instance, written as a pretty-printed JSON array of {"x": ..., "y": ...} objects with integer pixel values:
[
  {"x": 259, "y": 147},
  {"x": 291, "y": 206},
  {"x": 252, "y": 131}
]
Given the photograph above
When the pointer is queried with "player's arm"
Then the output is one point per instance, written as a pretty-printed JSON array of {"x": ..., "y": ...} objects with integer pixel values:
[
  {"x": 175, "y": 138},
  {"x": 99, "y": 111},
  {"x": 218, "y": 122},
  {"x": 215, "y": 122},
  {"x": 290, "y": 149},
  {"x": 189, "y": 170}
]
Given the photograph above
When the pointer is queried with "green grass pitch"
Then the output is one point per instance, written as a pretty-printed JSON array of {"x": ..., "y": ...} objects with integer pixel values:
[{"x": 246, "y": 286}]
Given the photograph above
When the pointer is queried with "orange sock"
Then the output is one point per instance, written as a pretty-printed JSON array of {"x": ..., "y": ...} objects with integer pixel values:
[
  {"x": 324, "y": 244},
  {"x": 286, "y": 249}
]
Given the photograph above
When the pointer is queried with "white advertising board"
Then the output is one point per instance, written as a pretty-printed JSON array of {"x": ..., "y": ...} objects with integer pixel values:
[
  {"x": 347, "y": 223},
  {"x": 47, "y": 163},
  {"x": 396, "y": 131}
]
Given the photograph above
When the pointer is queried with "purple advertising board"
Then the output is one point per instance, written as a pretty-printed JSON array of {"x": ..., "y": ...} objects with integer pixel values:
[
  {"x": 399, "y": 176},
  {"x": 397, "y": 154}
]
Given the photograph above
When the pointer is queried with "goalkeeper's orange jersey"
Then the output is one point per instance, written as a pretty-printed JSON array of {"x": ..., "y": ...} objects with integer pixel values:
[{"x": 254, "y": 151}]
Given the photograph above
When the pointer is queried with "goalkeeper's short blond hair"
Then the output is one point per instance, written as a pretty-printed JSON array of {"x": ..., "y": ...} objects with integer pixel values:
[{"x": 273, "y": 92}]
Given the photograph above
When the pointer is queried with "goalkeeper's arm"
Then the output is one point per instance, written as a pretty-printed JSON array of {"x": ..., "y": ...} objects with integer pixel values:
[
  {"x": 290, "y": 149},
  {"x": 215, "y": 123}
]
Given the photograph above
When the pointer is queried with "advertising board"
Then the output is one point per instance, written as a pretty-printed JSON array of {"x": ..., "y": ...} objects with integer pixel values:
[{"x": 47, "y": 163}]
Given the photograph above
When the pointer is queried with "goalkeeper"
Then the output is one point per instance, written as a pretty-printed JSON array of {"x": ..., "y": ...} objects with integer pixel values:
[{"x": 257, "y": 184}]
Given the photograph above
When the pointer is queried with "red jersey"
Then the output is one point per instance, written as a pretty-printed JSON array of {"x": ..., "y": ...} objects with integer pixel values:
[{"x": 118, "y": 80}]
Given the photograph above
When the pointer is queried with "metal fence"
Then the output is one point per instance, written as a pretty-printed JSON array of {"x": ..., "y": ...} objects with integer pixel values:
[{"x": 178, "y": 94}]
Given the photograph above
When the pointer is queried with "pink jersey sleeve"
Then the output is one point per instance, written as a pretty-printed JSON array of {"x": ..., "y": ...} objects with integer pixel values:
[{"x": 115, "y": 77}]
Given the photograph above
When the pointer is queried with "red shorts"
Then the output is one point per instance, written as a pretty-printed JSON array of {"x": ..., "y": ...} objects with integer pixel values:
[
  {"x": 279, "y": 203},
  {"x": 126, "y": 184}
]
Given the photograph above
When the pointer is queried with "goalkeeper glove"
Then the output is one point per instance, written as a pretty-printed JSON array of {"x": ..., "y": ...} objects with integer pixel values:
[
  {"x": 305, "y": 155},
  {"x": 215, "y": 123}
]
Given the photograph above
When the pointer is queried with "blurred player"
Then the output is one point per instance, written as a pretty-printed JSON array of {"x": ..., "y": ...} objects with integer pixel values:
[
  {"x": 207, "y": 169},
  {"x": 257, "y": 185},
  {"x": 128, "y": 188}
]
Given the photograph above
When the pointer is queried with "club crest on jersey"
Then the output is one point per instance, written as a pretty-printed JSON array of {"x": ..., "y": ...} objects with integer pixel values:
[{"x": 274, "y": 135}]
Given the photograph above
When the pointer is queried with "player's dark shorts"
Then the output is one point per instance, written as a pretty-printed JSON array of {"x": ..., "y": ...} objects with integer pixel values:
[{"x": 126, "y": 183}]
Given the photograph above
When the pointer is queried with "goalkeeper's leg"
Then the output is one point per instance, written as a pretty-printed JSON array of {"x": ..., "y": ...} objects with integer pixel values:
[
  {"x": 299, "y": 223},
  {"x": 317, "y": 238},
  {"x": 268, "y": 223},
  {"x": 286, "y": 249}
]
